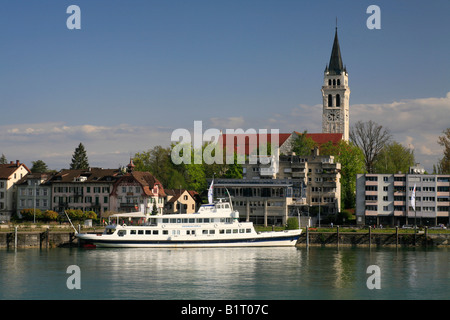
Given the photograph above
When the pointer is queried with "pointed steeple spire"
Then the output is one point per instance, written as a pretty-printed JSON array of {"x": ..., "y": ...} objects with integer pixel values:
[{"x": 335, "y": 66}]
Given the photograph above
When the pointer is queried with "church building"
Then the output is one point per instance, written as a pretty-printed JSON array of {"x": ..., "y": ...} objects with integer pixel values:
[{"x": 336, "y": 94}]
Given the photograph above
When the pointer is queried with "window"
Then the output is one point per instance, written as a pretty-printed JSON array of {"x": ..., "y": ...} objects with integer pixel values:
[
  {"x": 121, "y": 233},
  {"x": 338, "y": 100},
  {"x": 330, "y": 100}
]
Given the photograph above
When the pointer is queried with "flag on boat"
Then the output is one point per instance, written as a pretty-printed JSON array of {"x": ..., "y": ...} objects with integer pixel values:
[
  {"x": 210, "y": 192},
  {"x": 413, "y": 198}
]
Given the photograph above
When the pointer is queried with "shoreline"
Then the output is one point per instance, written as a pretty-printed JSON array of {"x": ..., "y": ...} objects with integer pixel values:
[{"x": 57, "y": 239}]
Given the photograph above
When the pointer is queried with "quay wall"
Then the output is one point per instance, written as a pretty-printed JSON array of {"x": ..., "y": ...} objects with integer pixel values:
[
  {"x": 48, "y": 239},
  {"x": 37, "y": 239},
  {"x": 373, "y": 239}
]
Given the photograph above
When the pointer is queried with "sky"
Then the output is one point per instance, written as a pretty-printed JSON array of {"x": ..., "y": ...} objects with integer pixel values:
[{"x": 138, "y": 70}]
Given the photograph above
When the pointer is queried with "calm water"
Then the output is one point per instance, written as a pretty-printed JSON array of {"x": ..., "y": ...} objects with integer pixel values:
[{"x": 242, "y": 273}]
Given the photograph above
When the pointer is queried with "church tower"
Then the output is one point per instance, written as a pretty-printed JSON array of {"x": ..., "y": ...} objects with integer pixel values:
[{"x": 336, "y": 94}]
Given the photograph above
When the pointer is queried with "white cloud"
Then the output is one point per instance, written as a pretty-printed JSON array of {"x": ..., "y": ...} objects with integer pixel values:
[
  {"x": 416, "y": 123},
  {"x": 54, "y": 143}
]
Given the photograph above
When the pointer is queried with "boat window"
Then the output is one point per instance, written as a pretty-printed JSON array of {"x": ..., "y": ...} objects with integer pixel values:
[
  {"x": 241, "y": 230},
  {"x": 221, "y": 231},
  {"x": 206, "y": 220},
  {"x": 178, "y": 220},
  {"x": 165, "y": 220},
  {"x": 132, "y": 231},
  {"x": 191, "y": 220},
  {"x": 227, "y": 206},
  {"x": 148, "y": 232},
  {"x": 185, "y": 220},
  {"x": 212, "y": 231},
  {"x": 235, "y": 230},
  {"x": 205, "y": 232},
  {"x": 165, "y": 232},
  {"x": 228, "y": 230},
  {"x": 110, "y": 231},
  {"x": 121, "y": 233},
  {"x": 155, "y": 232},
  {"x": 248, "y": 230},
  {"x": 140, "y": 231},
  {"x": 199, "y": 220},
  {"x": 173, "y": 220}
]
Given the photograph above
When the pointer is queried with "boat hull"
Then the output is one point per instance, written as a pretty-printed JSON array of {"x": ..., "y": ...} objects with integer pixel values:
[{"x": 276, "y": 239}]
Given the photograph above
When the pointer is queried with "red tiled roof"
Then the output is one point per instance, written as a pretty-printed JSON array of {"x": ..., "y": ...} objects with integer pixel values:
[
  {"x": 145, "y": 179},
  {"x": 6, "y": 170},
  {"x": 251, "y": 141}
]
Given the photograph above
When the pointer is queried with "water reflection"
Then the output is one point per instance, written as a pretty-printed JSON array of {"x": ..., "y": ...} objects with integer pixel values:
[{"x": 221, "y": 273}]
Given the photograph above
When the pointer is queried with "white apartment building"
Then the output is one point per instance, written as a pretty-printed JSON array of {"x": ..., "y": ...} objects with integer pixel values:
[
  {"x": 87, "y": 190},
  {"x": 269, "y": 193},
  {"x": 34, "y": 192},
  {"x": 10, "y": 174},
  {"x": 386, "y": 199}
]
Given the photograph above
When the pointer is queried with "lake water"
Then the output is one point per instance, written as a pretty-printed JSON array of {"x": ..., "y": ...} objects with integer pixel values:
[{"x": 226, "y": 273}]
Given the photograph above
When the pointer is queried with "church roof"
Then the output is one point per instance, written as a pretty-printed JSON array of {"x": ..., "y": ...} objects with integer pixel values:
[{"x": 335, "y": 66}]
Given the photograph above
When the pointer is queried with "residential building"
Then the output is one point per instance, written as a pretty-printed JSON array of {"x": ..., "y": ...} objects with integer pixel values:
[
  {"x": 269, "y": 193},
  {"x": 385, "y": 199},
  {"x": 135, "y": 191},
  {"x": 34, "y": 192},
  {"x": 10, "y": 174},
  {"x": 180, "y": 201},
  {"x": 87, "y": 190}
]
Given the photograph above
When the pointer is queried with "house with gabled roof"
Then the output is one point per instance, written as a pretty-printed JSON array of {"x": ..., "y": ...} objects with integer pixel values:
[
  {"x": 137, "y": 191},
  {"x": 10, "y": 173},
  {"x": 180, "y": 201},
  {"x": 87, "y": 190}
]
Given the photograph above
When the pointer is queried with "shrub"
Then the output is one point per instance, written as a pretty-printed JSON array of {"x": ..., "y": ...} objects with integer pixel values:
[
  {"x": 31, "y": 214},
  {"x": 292, "y": 223},
  {"x": 50, "y": 215}
]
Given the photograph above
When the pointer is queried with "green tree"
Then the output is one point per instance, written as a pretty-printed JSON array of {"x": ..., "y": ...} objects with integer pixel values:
[
  {"x": 394, "y": 158},
  {"x": 39, "y": 166},
  {"x": 3, "y": 159},
  {"x": 303, "y": 145},
  {"x": 79, "y": 158},
  {"x": 352, "y": 162}
]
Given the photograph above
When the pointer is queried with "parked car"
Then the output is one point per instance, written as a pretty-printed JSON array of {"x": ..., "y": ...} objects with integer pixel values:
[
  {"x": 439, "y": 227},
  {"x": 407, "y": 226}
]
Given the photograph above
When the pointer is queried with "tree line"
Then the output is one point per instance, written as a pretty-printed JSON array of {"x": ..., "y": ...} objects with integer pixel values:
[{"x": 371, "y": 149}]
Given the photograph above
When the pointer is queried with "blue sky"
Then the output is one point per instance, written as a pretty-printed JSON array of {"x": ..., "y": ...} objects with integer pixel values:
[{"x": 137, "y": 70}]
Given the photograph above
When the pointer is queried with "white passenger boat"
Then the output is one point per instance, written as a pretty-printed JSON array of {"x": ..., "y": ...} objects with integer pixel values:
[{"x": 214, "y": 225}]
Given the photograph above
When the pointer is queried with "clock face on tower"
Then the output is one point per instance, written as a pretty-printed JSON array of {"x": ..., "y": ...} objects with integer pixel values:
[{"x": 333, "y": 115}]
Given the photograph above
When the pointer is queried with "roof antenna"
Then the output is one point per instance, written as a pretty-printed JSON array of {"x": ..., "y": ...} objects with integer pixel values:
[{"x": 336, "y": 23}]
